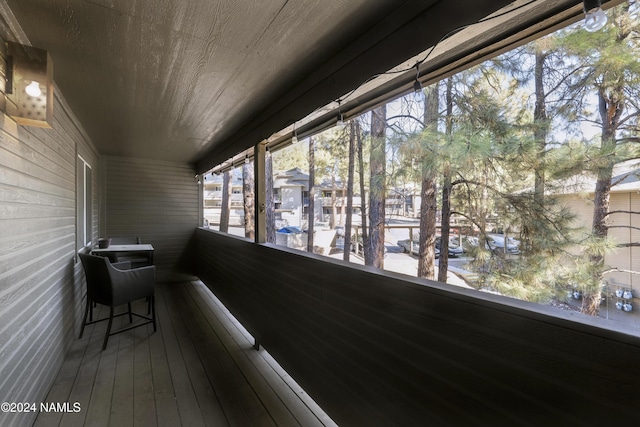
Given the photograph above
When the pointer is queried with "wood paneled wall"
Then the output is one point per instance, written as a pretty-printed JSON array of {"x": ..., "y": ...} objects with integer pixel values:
[
  {"x": 375, "y": 348},
  {"x": 41, "y": 284},
  {"x": 156, "y": 201}
]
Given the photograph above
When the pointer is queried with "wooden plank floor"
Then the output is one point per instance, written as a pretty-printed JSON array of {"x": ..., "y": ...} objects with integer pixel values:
[{"x": 198, "y": 369}]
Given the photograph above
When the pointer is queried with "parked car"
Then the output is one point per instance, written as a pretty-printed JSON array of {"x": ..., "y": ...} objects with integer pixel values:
[
  {"x": 496, "y": 242},
  {"x": 359, "y": 245},
  {"x": 290, "y": 230},
  {"x": 454, "y": 250},
  {"x": 404, "y": 247}
]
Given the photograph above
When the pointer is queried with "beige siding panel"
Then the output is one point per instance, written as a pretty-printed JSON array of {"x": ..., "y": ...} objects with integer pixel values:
[
  {"x": 634, "y": 279},
  {"x": 619, "y": 232},
  {"x": 582, "y": 208},
  {"x": 156, "y": 201},
  {"x": 41, "y": 284},
  {"x": 622, "y": 231}
]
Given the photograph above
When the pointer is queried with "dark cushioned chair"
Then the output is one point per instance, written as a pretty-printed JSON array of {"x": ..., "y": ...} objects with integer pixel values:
[{"x": 113, "y": 285}]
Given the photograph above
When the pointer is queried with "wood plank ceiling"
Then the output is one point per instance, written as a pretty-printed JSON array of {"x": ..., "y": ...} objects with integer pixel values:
[{"x": 183, "y": 80}]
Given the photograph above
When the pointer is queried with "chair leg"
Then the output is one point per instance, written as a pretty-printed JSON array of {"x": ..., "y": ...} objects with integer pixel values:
[
  {"x": 106, "y": 336},
  {"x": 130, "y": 317},
  {"x": 84, "y": 318},
  {"x": 152, "y": 302}
]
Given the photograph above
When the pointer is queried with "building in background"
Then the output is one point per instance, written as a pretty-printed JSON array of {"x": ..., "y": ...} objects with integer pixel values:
[
  {"x": 622, "y": 283},
  {"x": 290, "y": 200}
]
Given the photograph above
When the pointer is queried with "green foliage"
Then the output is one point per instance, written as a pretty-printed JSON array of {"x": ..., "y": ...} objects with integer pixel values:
[
  {"x": 513, "y": 146},
  {"x": 293, "y": 156}
]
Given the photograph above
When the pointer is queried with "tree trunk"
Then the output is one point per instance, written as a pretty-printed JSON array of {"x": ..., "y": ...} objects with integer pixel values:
[
  {"x": 610, "y": 109},
  {"x": 350, "y": 177},
  {"x": 592, "y": 296},
  {"x": 445, "y": 227},
  {"x": 249, "y": 200},
  {"x": 363, "y": 200},
  {"x": 443, "y": 264},
  {"x": 377, "y": 185},
  {"x": 428, "y": 193},
  {"x": 540, "y": 128},
  {"x": 334, "y": 203},
  {"x": 270, "y": 212},
  {"x": 226, "y": 202},
  {"x": 343, "y": 201},
  {"x": 428, "y": 206},
  {"x": 312, "y": 190}
]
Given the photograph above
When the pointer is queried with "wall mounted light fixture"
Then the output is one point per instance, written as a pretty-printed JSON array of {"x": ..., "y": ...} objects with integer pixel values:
[{"x": 29, "y": 85}]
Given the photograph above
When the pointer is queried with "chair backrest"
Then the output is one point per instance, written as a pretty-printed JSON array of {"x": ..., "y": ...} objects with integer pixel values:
[
  {"x": 96, "y": 271},
  {"x": 125, "y": 240}
]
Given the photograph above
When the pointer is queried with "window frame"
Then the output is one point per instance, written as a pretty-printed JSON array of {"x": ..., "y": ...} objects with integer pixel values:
[{"x": 84, "y": 208}]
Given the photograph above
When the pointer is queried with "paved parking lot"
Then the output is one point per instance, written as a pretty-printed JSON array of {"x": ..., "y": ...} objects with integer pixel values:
[{"x": 400, "y": 262}]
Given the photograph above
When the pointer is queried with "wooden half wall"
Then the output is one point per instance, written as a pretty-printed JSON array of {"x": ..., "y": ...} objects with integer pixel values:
[{"x": 377, "y": 348}]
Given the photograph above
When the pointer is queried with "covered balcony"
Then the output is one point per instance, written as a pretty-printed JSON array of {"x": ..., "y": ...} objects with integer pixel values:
[{"x": 147, "y": 97}]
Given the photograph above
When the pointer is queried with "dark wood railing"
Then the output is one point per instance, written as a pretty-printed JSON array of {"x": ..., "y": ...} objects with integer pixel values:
[{"x": 378, "y": 348}]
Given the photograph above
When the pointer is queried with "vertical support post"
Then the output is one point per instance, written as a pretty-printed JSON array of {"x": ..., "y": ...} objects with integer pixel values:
[
  {"x": 410, "y": 240},
  {"x": 200, "y": 181},
  {"x": 260, "y": 192}
]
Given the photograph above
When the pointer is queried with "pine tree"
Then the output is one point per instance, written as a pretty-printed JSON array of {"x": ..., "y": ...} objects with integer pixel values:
[
  {"x": 610, "y": 68},
  {"x": 312, "y": 191},
  {"x": 374, "y": 252},
  {"x": 248, "y": 195},
  {"x": 428, "y": 192},
  {"x": 269, "y": 209},
  {"x": 226, "y": 201},
  {"x": 350, "y": 183}
]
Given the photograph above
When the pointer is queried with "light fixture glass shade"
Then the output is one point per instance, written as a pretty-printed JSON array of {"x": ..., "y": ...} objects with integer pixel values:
[
  {"x": 29, "y": 88},
  {"x": 33, "y": 89},
  {"x": 294, "y": 139},
  {"x": 418, "y": 93},
  {"x": 595, "y": 19}
]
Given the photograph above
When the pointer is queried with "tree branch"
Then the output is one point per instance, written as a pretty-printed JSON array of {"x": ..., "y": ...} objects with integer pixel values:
[
  {"x": 629, "y": 245},
  {"x": 620, "y": 270},
  {"x": 627, "y": 212},
  {"x": 624, "y": 226},
  {"x": 407, "y": 116}
]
